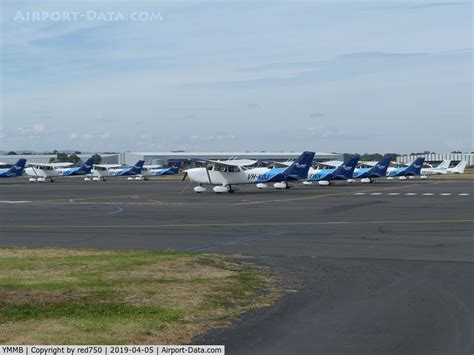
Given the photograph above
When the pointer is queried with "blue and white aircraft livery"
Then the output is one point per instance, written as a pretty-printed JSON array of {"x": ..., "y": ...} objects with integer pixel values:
[
  {"x": 227, "y": 173},
  {"x": 413, "y": 169},
  {"x": 342, "y": 172},
  {"x": 14, "y": 171},
  {"x": 173, "y": 170},
  {"x": 298, "y": 170},
  {"x": 158, "y": 170},
  {"x": 102, "y": 171},
  {"x": 84, "y": 169},
  {"x": 378, "y": 170},
  {"x": 133, "y": 170}
]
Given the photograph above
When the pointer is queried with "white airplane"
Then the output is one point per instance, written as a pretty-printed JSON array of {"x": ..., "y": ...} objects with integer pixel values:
[
  {"x": 225, "y": 174},
  {"x": 148, "y": 170},
  {"x": 101, "y": 171},
  {"x": 458, "y": 169},
  {"x": 40, "y": 172},
  {"x": 443, "y": 169},
  {"x": 440, "y": 169}
]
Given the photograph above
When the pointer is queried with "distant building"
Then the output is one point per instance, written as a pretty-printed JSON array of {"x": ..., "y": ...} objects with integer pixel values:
[
  {"x": 164, "y": 158},
  {"x": 435, "y": 157}
]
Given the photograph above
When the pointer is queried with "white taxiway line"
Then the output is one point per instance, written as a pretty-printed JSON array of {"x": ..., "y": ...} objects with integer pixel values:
[{"x": 412, "y": 193}]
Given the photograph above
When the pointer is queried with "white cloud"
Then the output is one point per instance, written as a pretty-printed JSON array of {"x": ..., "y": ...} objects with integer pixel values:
[{"x": 35, "y": 129}]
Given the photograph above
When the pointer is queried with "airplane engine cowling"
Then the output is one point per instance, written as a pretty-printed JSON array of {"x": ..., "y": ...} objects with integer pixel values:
[
  {"x": 261, "y": 186},
  {"x": 324, "y": 183}
]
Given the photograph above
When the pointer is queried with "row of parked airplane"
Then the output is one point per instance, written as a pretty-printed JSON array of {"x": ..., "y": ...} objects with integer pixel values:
[
  {"x": 224, "y": 175},
  {"x": 48, "y": 172}
]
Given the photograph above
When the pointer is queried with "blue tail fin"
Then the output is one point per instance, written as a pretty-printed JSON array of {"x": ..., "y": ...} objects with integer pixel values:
[
  {"x": 346, "y": 170},
  {"x": 415, "y": 167},
  {"x": 137, "y": 168},
  {"x": 175, "y": 168},
  {"x": 380, "y": 169},
  {"x": 300, "y": 167},
  {"x": 17, "y": 169},
  {"x": 86, "y": 168}
]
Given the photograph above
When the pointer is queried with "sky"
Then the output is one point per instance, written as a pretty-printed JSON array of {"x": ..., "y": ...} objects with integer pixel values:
[{"x": 327, "y": 76}]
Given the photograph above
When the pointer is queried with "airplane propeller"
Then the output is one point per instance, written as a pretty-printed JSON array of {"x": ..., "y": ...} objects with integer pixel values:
[{"x": 184, "y": 177}]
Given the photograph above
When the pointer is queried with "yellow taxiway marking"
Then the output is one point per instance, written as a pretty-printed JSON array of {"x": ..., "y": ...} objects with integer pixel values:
[
  {"x": 318, "y": 196},
  {"x": 238, "y": 224}
]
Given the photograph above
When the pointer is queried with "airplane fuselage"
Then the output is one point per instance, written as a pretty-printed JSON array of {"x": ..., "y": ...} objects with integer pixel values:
[
  {"x": 41, "y": 171},
  {"x": 236, "y": 177},
  {"x": 323, "y": 174}
]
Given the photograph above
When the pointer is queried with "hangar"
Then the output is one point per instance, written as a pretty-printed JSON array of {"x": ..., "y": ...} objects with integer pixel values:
[
  {"x": 164, "y": 158},
  {"x": 438, "y": 157}
]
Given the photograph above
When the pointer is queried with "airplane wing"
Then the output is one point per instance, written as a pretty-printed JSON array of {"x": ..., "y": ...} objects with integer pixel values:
[
  {"x": 53, "y": 165},
  {"x": 108, "y": 166},
  {"x": 234, "y": 162},
  {"x": 368, "y": 163},
  {"x": 331, "y": 163},
  {"x": 276, "y": 163}
]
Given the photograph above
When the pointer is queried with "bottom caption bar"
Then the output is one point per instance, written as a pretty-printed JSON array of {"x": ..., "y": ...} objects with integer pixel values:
[{"x": 110, "y": 350}]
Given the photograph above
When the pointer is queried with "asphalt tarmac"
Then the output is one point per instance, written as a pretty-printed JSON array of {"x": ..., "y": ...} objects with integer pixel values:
[{"x": 382, "y": 268}]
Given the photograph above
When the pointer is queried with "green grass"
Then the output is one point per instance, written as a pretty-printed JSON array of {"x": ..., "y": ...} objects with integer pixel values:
[{"x": 123, "y": 297}]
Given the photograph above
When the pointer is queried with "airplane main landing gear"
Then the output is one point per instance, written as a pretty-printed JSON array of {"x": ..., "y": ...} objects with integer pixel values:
[
  {"x": 281, "y": 185},
  {"x": 199, "y": 189}
]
